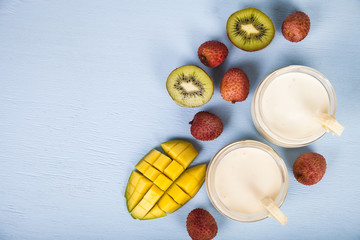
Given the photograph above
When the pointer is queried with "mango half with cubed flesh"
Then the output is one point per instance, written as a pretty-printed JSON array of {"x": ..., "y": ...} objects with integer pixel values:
[{"x": 162, "y": 185}]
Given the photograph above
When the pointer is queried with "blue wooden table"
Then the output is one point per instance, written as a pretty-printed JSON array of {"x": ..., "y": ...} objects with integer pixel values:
[{"x": 83, "y": 98}]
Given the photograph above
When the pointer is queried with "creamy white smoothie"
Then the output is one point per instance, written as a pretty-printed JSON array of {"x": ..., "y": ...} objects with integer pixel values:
[
  {"x": 244, "y": 176},
  {"x": 291, "y": 102}
]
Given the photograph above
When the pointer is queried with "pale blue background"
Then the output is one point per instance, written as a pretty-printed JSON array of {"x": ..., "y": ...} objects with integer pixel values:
[{"x": 83, "y": 98}]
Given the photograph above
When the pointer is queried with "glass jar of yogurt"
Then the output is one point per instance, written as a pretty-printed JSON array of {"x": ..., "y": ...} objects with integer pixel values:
[
  {"x": 243, "y": 173},
  {"x": 286, "y": 106}
]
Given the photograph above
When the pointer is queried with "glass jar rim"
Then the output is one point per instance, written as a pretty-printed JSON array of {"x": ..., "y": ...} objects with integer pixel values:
[{"x": 210, "y": 180}]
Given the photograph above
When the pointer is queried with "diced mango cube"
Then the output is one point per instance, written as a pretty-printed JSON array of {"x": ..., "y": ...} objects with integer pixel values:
[
  {"x": 167, "y": 204},
  {"x": 187, "y": 156},
  {"x": 163, "y": 182},
  {"x": 198, "y": 172},
  {"x": 142, "y": 166},
  {"x": 141, "y": 188},
  {"x": 155, "y": 212},
  {"x": 139, "y": 212},
  {"x": 149, "y": 171},
  {"x": 143, "y": 185},
  {"x": 152, "y": 156},
  {"x": 166, "y": 146},
  {"x": 187, "y": 182},
  {"x": 147, "y": 202},
  {"x": 178, "y": 194},
  {"x": 153, "y": 195},
  {"x": 174, "y": 170},
  {"x": 152, "y": 173},
  {"x": 162, "y": 162},
  {"x": 149, "y": 216},
  {"x": 133, "y": 180},
  {"x": 178, "y": 148},
  {"x": 134, "y": 200}
]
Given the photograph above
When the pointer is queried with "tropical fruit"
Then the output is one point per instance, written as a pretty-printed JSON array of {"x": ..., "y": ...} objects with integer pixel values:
[
  {"x": 250, "y": 29},
  {"x": 161, "y": 184},
  {"x": 190, "y": 86},
  {"x": 234, "y": 86},
  {"x": 212, "y": 53},
  {"x": 296, "y": 26},
  {"x": 206, "y": 126},
  {"x": 309, "y": 168},
  {"x": 201, "y": 225}
]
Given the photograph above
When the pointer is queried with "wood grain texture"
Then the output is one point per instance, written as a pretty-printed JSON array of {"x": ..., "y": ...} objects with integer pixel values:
[{"x": 83, "y": 98}]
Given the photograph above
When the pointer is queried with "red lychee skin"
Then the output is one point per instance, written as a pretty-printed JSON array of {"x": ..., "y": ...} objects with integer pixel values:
[
  {"x": 201, "y": 225},
  {"x": 212, "y": 53},
  {"x": 296, "y": 26},
  {"x": 234, "y": 86},
  {"x": 206, "y": 126},
  {"x": 309, "y": 168}
]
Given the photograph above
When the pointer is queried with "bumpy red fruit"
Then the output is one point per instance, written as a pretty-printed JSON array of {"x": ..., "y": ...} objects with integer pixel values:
[
  {"x": 234, "y": 86},
  {"x": 212, "y": 53},
  {"x": 309, "y": 168},
  {"x": 201, "y": 225},
  {"x": 206, "y": 126},
  {"x": 296, "y": 26}
]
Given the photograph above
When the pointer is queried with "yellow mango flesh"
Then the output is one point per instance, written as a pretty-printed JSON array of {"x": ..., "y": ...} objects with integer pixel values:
[
  {"x": 176, "y": 149},
  {"x": 149, "y": 171},
  {"x": 187, "y": 156},
  {"x": 162, "y": 162},
  {"x": 155, "y": 212},
  {"x": 192, "y": 179},
  {"x": 133, "y": 180},
  {"x": 163, "y": 182},
  {"x": 176, "y": 193},
  {"x": 174, "y": 170},
  {"x": 166, "y": 146},
  {"x": 167, "y": 204},
  {"x": 147, "y": 202},
  {"x": 155, "y": 190},
  {"x": 152, "y": 156},
  {"x": 141, "y": 188},
  {"x": 198, "y": 172}
]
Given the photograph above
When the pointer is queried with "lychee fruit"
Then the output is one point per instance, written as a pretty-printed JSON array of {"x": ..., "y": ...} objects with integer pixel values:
[
  {"x": 201, "y": 225},
  {"x": 212, "y": 53},
  {"x": 296, "y": 26},
  {"x": 309, "y": 168},
  {"x": 234, "y": 86},
  {"x": 206, "y": 126}
]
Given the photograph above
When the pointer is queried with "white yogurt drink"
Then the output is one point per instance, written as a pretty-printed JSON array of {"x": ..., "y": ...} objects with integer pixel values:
[
  {"x": 244, "y": 177},
  {"x": 291, "y": 104},
  {"x": 242, "y": 174},
  {"x": 287, "y": 104}
]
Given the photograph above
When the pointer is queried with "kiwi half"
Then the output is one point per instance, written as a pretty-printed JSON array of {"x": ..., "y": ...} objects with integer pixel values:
[
  {"x": 250, "y": 29},
  {"x": 190, "y": 86}
]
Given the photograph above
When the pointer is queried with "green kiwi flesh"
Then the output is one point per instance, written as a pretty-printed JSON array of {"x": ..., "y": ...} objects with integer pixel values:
[
  {"x": 190, "y": 86},
  {"x": 250, "y": 29}
]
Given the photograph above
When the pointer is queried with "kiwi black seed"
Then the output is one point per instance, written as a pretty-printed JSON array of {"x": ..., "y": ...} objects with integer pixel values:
[
  {"x": 250, "y": 29},
  {"x": 190, "y": 86}
]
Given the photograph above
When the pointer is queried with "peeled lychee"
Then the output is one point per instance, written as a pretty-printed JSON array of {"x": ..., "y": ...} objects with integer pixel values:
[
  {"x": 309, "y": 168},
  {"x": 296, "y": 26},
  {"x": 201, "y": 225},
  {"x": 234, "y": 86},
  {"x": 212, "y": 53},
  {"x": 206, "y": 126}
]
